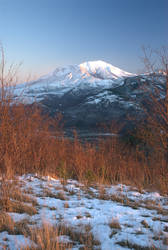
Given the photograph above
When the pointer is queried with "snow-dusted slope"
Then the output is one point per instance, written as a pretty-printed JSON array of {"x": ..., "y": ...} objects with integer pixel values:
[
  {"x": 88, "y": 74},
  {"x": 115, "y": 217},
  {"x": 102, "y": 70},
  {"x": 91, "y": 71}
]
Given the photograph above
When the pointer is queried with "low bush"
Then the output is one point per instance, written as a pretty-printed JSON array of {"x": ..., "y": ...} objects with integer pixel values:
[{"x": 33, "y": 143}]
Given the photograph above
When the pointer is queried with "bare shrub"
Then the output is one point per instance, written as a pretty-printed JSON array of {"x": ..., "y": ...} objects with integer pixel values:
[{"x": 32, "y": 142}]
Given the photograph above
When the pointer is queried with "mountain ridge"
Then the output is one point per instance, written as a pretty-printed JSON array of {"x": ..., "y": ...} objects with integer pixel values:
[
  {"x": 62, "y": 79},
  {"x": 87, "y": 99}
]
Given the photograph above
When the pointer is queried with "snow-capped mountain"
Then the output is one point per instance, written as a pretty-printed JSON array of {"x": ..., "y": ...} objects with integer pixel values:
[
  {"x": 102, "y": 70},
  {"x": 86, "y": 75},
  {"x": 92, "y": 93}
]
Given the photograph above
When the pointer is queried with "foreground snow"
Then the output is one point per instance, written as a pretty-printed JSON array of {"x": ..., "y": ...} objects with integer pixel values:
[{"x": 119, "y": 216}]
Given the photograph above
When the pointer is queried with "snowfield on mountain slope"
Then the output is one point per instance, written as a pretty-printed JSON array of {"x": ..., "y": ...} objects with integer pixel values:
[
  {"x": 118, "y": 216},
  {"x": 89, "y": 74},
  {"x": 103, "y": 70}
]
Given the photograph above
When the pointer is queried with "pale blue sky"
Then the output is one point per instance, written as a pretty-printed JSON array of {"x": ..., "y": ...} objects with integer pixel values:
[{"x": 44, "y": 34}]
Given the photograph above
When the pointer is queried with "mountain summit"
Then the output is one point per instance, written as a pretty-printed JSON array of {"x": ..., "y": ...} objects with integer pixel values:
[
  {"x": 91, "y": 69},
  {"x": 91, "y": 74},
  {"x": 102, "y": 70}
]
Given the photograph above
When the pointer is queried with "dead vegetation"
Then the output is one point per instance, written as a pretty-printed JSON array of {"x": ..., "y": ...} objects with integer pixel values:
[
  {"x": 130, "y": 245},
  {"x": 14, "y": 228},
  {"x": 32, "y": 142},
  {"x": 49, "y": 237},
  {"x": 114, "y": 223},
  {"x": 46, "y": 237},
  {"x": 12, "y": 199}
]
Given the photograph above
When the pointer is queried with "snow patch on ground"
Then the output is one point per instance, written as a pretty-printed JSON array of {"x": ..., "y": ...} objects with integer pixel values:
[{"x": 116, "y": 214}]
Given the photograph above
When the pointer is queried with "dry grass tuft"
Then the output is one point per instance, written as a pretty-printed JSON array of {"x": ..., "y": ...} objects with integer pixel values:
[
  {"x": 14, "y": 228},
  {"x": 6, "y": 223},
  {"x": 17, "y": 207},
  {"x": 22, "y": 227},
  {"x": 66, "y": 205},
  {"x": 114, "y": 223},
  {"x": 130, "y": 245},
  {"x": 13, "y": 200},
  {"x": 79, "y": 217},
  {"x": 47, "y": 237},
  {"x": 145, "y": 224},
  {"x": 58, "y": 195},
  {"x": 84, "y": 238}
]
